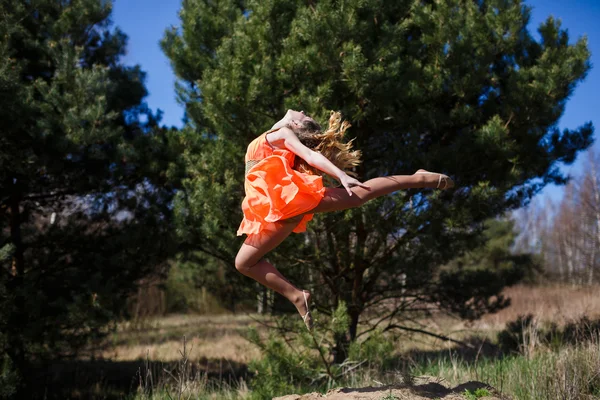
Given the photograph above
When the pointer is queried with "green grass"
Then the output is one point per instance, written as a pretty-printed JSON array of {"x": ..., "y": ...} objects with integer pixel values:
[
  {"x": 481, "y": 392},
  {"x": 545, "y": 370},
  {"x": 568, "y": 372},
  {"x": 193, "y": 391}
]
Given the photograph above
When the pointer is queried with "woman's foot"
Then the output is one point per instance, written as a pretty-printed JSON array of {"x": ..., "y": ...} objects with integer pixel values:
[
  {"x": 302, "y": 303},
  {"x": 435, "y": 180}
]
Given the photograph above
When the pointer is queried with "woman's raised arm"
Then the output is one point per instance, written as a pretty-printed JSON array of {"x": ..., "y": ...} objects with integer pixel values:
[{"x": 317, "y": 160}]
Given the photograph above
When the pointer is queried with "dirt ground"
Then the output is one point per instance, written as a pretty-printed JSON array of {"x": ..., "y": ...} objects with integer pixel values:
[{"x": 424, "y": 388}]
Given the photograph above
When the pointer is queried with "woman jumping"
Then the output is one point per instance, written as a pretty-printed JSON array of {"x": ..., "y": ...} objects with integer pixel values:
[{"x": 284, "y": 189}]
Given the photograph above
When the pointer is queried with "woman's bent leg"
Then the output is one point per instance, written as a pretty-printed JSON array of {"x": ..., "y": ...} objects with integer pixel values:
[
  {"x": 336, "y": 199},
  {"x": 250, "y": 263}
]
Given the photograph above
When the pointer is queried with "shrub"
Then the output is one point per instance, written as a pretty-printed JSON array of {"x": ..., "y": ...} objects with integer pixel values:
[
  {"x": 512, "y": 338},
  {"x": 525, "y": 333},
  {"x": 183, "y": 295},
  {"x": 297, "y": 361},
  {"x": 581, "y": 330},
  {"x": 9, "y": 378},
  {"x": 376, "y": 350}
]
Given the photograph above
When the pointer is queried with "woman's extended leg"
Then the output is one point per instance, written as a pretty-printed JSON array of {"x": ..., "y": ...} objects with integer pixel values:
[
  {"x": 336, "y": 199},
  {"x": 250, "y": 263}
]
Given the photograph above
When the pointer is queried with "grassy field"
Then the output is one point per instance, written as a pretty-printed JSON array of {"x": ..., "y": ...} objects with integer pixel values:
[
  {"x": 217, "y": 354},
  {"x": 220, "y": 336},
  {"x": 211, "y": 337}
]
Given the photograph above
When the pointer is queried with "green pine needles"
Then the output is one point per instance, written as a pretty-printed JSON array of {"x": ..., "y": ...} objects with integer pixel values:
[
  {"x": 297, "y": 361},
  {"x": 460, "y": 87}
]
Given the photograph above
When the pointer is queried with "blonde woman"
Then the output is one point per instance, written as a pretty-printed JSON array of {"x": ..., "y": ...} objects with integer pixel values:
[{"x": 284, "y": 188}]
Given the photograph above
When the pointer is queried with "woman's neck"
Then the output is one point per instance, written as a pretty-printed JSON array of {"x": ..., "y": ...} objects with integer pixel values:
[{"x": 280, "y": 124}]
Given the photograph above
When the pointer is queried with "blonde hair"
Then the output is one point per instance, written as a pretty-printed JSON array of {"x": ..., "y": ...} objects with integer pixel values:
[{"x": 329, "y": 144}]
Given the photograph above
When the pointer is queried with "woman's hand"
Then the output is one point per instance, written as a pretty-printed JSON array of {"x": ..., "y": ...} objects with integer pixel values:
[
  {"x": 348, "y": 182},
  {"x": 317, "y": 160}
]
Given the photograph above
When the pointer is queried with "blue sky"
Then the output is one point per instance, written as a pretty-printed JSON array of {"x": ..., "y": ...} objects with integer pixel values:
[{"x": 145, "y": 22}]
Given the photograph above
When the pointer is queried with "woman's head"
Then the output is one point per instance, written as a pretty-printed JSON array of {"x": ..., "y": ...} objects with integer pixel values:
[
  {"x": 307, "y": 129},
  {"x": 298, "y": 121},
  {"x": 328, "y": 143}
]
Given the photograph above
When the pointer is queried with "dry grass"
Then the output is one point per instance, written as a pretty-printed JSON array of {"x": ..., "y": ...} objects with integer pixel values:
[
  {"x": 181, "y": 382},
  {"x": 220, "y": 336},
  {"x": 230, "y": 347},
  {"x": 571, "y": 371},
  {"x": 220, "y": 339},
  {"x": 212, "y": 337},
  {"x": 556, "y": 303}
]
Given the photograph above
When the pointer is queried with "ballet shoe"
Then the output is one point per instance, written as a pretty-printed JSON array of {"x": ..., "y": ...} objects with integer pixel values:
[
  {"x": 448, "y": 182},
  {"x": 307, "y": 318}
]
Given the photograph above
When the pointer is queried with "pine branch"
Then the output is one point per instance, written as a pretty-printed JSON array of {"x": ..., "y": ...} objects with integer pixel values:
[{"x": 445, "y": 338}]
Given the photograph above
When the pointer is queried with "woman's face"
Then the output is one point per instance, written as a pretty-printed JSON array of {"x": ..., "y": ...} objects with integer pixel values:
[{"x": 299, "y": 116}]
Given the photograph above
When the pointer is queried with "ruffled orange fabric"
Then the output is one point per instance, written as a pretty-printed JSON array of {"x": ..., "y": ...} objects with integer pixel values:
[{"x": 275, "y": 191}]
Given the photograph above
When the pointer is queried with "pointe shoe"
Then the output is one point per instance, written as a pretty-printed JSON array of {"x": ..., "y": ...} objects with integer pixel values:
[
  {"x": 448, "y": 182},
  {"x": 307, "y": 318}
]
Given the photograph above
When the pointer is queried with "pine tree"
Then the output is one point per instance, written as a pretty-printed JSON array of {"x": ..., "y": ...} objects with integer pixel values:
[
  {"x": 459, "y": 87},
  {"x": 85, "y": 186}
]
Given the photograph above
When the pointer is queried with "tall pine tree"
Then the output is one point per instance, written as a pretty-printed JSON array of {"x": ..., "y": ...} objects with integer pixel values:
[
  {"x": 85, "y": 186},
  {"x": 455, "y": 86}
]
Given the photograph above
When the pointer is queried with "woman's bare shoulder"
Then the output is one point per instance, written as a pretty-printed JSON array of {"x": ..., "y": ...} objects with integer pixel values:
[{"x": 277, "y": 137}]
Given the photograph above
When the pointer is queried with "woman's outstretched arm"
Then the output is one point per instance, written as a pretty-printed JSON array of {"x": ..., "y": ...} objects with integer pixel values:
[{"x": 317, "y": 160}]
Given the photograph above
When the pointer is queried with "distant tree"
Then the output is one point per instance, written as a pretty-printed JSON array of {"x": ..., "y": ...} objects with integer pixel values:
[
  {"x": 567, "y": 234},
  {"x": 454, "y": 86},
  {"x": 589, "y": 197},
  {"x": 85, "y": 186}
]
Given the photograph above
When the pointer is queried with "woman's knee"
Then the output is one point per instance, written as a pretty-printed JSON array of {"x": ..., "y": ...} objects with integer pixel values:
[{"x": 243, "y": 264}]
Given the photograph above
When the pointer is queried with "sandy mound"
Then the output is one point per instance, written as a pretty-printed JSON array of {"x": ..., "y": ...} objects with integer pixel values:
[{"x": 424, "y": 388}]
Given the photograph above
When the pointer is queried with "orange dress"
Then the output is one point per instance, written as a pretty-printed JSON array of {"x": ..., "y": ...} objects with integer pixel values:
[{"x": 275, "y": 191}]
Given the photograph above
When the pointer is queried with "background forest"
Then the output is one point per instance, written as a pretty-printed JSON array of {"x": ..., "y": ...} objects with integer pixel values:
[{"x": 117, "y": 235}]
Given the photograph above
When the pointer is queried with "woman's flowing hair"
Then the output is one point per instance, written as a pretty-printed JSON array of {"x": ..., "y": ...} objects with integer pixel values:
[{"x": 329, "y": 144}]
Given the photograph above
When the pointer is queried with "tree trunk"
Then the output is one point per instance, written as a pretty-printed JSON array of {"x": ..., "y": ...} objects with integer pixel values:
[
  {"x": 596, "y": 211},
  {"x": 343, "y": 341},
  {"x": 16, "y": 348},
  {"x": 261, "y": 298},
  {"x": 569, "y": 257},
  {"x": 354, "y": 315},
  {"x": 340, "y": 351}
]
